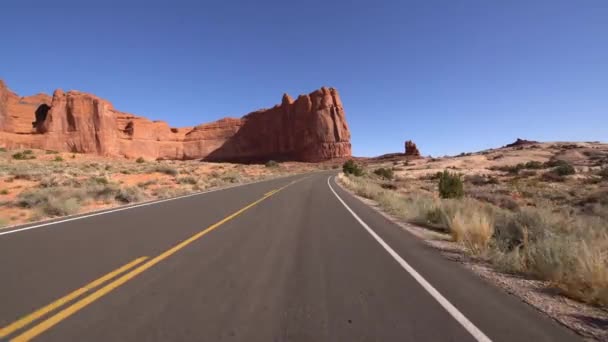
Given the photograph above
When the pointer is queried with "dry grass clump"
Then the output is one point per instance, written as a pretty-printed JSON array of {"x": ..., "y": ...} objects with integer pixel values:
[{"x": 568, "y": 250}]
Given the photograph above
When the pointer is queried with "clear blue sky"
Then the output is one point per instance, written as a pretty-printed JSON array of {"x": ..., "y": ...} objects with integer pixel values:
[{"x": 453, "y": 76}]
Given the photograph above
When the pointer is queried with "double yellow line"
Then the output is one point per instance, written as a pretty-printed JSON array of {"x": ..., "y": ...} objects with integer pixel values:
[{"x": 132, "y": 272}]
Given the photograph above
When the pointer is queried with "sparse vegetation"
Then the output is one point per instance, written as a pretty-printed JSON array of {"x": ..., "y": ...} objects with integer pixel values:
[
  {"x": 24, "y": 155},
  {"x": 140, "y": 160},
  {"x": 130, "y": 195},
  {"x": 271, "y": 163},
  {"x": 385, "y": 173},
  {"x": 58, "y": 159},
  {"x": 554, "y": 231},
  {"x": 166, "y": 170},
  {"x": 450, "y": 185},
  {"x": 187, "y": 180},
  {"x": 43, "y": 188},
  {"x": 351, "y": 168}
]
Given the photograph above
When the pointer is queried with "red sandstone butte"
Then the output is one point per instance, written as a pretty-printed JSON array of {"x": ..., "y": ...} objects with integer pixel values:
[
  {"x": 311, "y": 128},
  {"x": 411, "y": 149}
]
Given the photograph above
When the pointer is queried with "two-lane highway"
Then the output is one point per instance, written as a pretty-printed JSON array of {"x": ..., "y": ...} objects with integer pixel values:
[{"x": 292, "y": 259}]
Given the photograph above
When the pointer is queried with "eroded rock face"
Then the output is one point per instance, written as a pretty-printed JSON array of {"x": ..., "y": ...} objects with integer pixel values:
[
  {"x": 311, "y": 128},
  {"x": 411, "y": 149}
]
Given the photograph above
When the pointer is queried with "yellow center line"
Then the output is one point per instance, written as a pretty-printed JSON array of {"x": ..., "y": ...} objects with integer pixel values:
[
  {"x": 22, "y": 322},
  {"x": 269, "y": 193},
  {"x": 69, "y": 311}
]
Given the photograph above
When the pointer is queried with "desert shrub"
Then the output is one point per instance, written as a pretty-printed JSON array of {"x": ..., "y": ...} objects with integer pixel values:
[
  {"x": 351, "y": 168},
  {"x": 271, "y": 163},
  {"x": 603, "y": 173},
  {"x": 51, "y": 201},
  {"x": 553, "y": 162},
  {"x": 51, "y": 152},
  {"x": 166, "y": 170},
  {"x": 564, "y": 170},
  {"x": 385, "y": 173},
  {"x": 140, "y": 160},
  {"x": 49, "y": 182},
  {"x": 231, "y": 177},
  {"x": 472, "y": 226},
  {"x": 130, "y": 195},
  {"x": 187, "y": 180},
  {"x": 2, "y": 149},
  {"x": 23, "y": 155},
  {"x": 98, "y": 180},
  {"x": 450, "y": 185},
  {"x": 435, "y": 216},
  {"x": 4, "y": 192},
  {"x": 552, "y": 177},
  {"x": 534, "y": 165},
  {"x": 388, "y": 186},
  {"x": 58, "y": 159}
]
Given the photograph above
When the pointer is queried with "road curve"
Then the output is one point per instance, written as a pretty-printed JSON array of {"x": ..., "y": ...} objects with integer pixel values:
[{"x": 291, "y": 259}]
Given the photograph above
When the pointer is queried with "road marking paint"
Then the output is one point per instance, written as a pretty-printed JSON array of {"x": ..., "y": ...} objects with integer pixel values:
[
  {"x": 104, "y": 212},
  {"x": 269, "y": 193},
  {"x": 69, "y": 311},
  {"x": 22, "y": 322},
  {"x": 451, "y": 309}
]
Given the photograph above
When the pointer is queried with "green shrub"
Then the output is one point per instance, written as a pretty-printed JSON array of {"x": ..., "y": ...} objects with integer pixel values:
[
  {"x": 4, "y": 192},
  {"x": 384, "y": 173},
  {"x": 58, "y": 159},
  {"x": 23, "y": 155},
  {"x": 350, "y": 168},
  {"x": 450, "y": 185},
  {"x": 140, "y": 160},
  {"x": 271, "y": 163},
  {"x": 51, "y": 152},
  {"x": 2, "y": 149},
  {"x": 564, "y": 170}
]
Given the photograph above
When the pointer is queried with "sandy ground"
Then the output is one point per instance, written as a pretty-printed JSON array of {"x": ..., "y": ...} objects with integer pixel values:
[{"x": 47, "y": 184}]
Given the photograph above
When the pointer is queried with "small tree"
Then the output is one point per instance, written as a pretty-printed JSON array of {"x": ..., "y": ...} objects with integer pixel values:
[
  {"x": 350, "y": 168},
  {"x": 450, "y": 185}
]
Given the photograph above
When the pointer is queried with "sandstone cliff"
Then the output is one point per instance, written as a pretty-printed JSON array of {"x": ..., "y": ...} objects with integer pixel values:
[{"x": 312, "y": 128}]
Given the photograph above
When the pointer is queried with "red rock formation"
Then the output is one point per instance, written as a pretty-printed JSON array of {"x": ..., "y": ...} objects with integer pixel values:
[
  {"x": 311, "y": 128},
  {"x": 411, "y": 149},
  {"x": 521, "y": 142}
]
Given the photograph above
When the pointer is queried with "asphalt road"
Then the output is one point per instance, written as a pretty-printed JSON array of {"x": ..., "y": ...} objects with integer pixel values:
[{"x": 281, "y": 260}]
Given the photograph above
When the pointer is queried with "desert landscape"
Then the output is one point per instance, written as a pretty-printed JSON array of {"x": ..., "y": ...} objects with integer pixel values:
[
  {"x": 531, "y": 209},
  {"x": 74, "y": 153}
]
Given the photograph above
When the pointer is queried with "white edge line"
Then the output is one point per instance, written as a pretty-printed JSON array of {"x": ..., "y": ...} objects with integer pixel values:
[
  {"x": 109, "y": 211},
  {"x": 451, "y": 309}
]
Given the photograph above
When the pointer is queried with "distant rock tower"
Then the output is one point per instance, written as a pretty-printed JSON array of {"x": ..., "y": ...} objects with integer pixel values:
[{"x": 411, "y": 149}]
